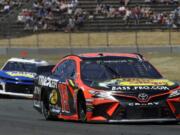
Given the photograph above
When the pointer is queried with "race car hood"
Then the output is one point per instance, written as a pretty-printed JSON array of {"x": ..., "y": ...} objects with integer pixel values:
[
  {"x": 136, "y": 84},
  {"x": 26, "y": 76}
]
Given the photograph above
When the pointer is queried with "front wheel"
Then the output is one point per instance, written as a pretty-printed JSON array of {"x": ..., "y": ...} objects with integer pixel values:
[{"x": 82, "y": 111}]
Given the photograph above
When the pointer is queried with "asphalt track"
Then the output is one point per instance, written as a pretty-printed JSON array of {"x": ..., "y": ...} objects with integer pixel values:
[{"x": 17, "y": 117}]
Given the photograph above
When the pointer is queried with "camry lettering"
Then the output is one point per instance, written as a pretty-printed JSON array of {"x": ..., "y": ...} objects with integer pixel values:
[{"x": 143, "y": 104}]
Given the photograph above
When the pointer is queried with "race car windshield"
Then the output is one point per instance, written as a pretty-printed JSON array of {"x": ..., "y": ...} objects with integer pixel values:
[
  {"x": 122, "y": 67},
  {"x": 19, "y": 66}
]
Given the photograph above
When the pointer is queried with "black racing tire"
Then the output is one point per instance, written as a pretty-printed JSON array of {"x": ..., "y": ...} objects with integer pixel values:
[
  {"x": 82, "y": 110},
  {"x": 45, "y": 107},
  {"x": 47, "y": 102},
  {"x": 46, "y": 112},
  {"x": 50, "y": 98}
]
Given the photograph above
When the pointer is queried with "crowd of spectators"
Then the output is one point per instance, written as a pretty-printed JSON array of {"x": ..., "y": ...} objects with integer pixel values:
[
  {"x": 66, "y": 15},
  {"x": 7, "y": 5},
  {"x": 138, "y": 13},
  {"x": 52, "y": 15}
]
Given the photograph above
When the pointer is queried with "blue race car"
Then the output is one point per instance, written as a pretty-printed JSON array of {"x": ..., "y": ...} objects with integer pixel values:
[{"x": 17, "y": 76}]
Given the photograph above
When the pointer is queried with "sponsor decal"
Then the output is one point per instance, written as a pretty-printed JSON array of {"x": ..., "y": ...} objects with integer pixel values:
[
  {"x": 128, "y": 88},
  {"x": 64, "y": 98},
  {"x": 151, "y": 88},
  {"x": 137, "y": 84},
  {"x": 123, "y": 88},
  {"x": 21, "y": 74},
  {"x": 145, "y": 82},
  {"x": 53, "y": 98},
  {"x": 46, "y": 81}
]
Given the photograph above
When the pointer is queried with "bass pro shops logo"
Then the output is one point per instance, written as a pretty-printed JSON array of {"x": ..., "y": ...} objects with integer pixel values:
[{"x": 143, "y": 97}]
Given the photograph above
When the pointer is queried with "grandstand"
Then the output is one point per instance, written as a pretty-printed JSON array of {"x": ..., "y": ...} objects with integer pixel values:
[
  {"x": 25, "y": 17},
  {"x": 117, "y": 21},
  {"x": 8, "y": 23}
]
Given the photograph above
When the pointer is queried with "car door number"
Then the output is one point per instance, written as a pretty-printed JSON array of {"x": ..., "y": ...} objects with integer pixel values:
[{"x": 64, "y": 98}]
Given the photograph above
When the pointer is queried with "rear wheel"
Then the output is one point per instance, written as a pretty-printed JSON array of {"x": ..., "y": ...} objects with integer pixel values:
[
  {"x": 50, "y": 99},
  {"x": 45, "y": 106},
  {"x": 46, "y": 111}
]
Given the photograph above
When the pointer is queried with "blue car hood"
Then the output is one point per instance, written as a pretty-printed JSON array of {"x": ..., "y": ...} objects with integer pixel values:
[{"x": 17, "y": 75}]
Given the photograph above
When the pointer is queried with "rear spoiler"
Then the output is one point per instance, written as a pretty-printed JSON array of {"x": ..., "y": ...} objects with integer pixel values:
[{"x": 44, "y": 69}]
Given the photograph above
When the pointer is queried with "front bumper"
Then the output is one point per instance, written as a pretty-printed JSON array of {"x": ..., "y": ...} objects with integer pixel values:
[
  {"x": 16, "y": 89},
  {"x": 129, "y": 110}
]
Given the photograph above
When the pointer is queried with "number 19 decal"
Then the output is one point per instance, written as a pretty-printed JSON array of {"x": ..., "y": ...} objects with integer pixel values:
[{"x": 64, "y": 98}]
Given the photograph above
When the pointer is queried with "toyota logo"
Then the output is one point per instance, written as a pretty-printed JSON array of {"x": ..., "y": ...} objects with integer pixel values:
[{"x": 143, "y": 97}]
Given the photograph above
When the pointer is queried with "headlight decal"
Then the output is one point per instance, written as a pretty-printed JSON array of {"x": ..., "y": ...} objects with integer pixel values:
[
  {"x": 174, "y": 93},
  {"x": 102, "y": 94}
]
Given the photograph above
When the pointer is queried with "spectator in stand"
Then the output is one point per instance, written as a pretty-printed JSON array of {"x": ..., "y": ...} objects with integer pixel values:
[
  {"x": 6, "y": 8},
  {"x": 112, "y": 12},
  {"x": 79, "y": 21},
  {"x": 122, "y": 10},
  {"x": 98, "y": 9},
  {"x": 176, "y": 16},
  {"x": 70, "y": 26},
  {"x": 127, "y": 15},
  {"x": 25, "y": 15},
  {"x": 136, "y": 14}
]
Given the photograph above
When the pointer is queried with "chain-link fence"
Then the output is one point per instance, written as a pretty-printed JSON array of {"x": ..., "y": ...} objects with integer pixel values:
[{"x": 16, "y": 37}]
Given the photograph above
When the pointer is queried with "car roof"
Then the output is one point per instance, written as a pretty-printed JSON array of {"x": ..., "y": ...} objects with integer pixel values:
[
  {"x": 32, "y": 61},
  {"x": 95, "y": 55}
]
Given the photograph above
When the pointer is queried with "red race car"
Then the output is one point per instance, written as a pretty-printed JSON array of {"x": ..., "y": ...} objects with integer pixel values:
[{"x": 107, "y": 87}]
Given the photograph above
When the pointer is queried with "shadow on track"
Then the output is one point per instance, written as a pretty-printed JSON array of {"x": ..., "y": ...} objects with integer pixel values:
[
  {"x": 118, "y": 123},
  {"x": 13, "y": 97}
]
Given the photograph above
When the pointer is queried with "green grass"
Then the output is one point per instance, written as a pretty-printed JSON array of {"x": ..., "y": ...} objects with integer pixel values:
[
  {"x": 167, "y": 64},
  {"x": 94, "y": 39}
]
